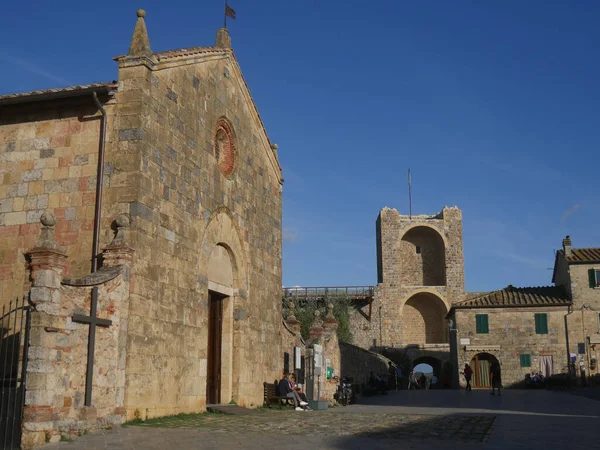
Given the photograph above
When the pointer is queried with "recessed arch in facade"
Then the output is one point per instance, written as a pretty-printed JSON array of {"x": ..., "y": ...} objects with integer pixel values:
[{"x": 423, "y": 253}]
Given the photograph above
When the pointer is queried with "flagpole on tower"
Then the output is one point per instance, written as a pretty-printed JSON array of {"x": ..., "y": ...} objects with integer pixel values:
[
  {"x": 409, "y": 197},
  {"x": 225, "y": 16}
]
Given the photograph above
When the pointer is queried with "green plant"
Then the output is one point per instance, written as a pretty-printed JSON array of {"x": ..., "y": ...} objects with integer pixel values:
[
  {"x": 137, "y": 415},
  {"x": 65, "y": 438},
  {"x": 305, "y": 314},
  {"x": 232, "y": 402},
  {"x": 47, "y": 437}
]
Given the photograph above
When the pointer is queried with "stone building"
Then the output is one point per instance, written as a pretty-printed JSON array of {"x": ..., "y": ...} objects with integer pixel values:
[
  {"x": 521, "y": 328},
  {"x": 549, "y": 330},
  {"x": 420, "y": 274},
  {"x": 187, "y": 159}
]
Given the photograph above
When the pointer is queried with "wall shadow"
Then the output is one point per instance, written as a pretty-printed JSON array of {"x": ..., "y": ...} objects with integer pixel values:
[{"x": 453, "y": 430}]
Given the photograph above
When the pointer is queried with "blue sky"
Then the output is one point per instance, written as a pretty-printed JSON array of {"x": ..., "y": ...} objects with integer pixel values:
[{"x": 493, "y": 106}]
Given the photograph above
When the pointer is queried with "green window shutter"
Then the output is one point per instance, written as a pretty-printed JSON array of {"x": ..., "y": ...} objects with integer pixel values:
[
  {"x": 525, "y": 360},
  {"x": 481, "y": 323},
  {"x": 541, "y": 323},
  {"x": 592, "y": 276}
]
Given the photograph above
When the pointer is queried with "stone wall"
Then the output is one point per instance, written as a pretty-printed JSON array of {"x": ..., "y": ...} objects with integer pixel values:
[
  {"x": 357, "y": 363},
  {"x": 56, "y": 373},
  {"x": 48, "y": 161},
  {"x": 512, "y": 333},
  {"x": 584, "y": 321}
]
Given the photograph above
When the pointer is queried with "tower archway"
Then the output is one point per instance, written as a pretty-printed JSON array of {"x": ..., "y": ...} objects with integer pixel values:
[
  {"x": 423, "y": 319},
  {"x": 423, "y": 257}
]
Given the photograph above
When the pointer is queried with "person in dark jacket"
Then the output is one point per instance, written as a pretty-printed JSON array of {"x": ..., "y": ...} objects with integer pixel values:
[
  {"x": 468, "y": 372},
  {"x": 495, "y": 377},
  {"x": 285, "y": 390}
]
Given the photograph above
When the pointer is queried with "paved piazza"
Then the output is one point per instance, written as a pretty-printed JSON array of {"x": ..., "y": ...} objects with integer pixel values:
[{"x": 405, "y": 419}]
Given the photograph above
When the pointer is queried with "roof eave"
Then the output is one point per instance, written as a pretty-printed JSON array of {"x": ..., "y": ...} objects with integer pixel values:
[{"x": 106, "y": 89}]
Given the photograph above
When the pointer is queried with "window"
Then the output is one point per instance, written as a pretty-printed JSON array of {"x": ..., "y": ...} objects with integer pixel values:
[
  {"x": 541, "y": 324},
  {"x": 418, "y": 250},
  {"x": 481, "y": 323},
  {"x": 525, "y": 360},
  {"x": 594, "y": 275}
]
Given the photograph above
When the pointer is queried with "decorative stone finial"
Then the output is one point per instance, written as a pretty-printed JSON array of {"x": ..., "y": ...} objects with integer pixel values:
[
  {"x": 274, "y": 146},
  {"x": 140, "y": 44},
  {"x": 122, "y": 222},
  {"x": 48, "y": 219},
  {"x": 292, "y": 310},
  {"x": 223, "y": 38},
  {"x": 46, "y": 239},
  {"x": 330, "y": 311}
]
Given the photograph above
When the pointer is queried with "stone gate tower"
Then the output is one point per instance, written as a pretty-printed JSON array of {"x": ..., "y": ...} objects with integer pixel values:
[{"x": 420, "y": 274}]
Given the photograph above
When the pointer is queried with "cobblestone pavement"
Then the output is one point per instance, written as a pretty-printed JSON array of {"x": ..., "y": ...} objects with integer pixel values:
[{"x": 405, "y": 419}]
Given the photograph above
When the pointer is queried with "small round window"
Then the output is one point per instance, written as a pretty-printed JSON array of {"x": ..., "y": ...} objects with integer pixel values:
[{"x": 225, "y": 148}]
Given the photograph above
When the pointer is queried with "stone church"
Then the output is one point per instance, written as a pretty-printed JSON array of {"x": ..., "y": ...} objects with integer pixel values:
[{"x": 185, "y": 250}]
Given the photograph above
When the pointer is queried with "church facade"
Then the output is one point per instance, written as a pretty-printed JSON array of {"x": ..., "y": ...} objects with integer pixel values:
[{"x": 192, "y": 187}]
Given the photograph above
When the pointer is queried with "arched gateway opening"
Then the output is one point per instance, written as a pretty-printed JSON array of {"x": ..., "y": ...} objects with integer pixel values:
[
  {"x": 423, "y": 318},
  {"x": 480, "y": 365},
  {"x": 220, "y": 326}
]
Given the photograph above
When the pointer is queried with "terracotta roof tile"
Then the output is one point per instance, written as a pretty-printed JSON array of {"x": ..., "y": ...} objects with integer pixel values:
[
  {"x": 582, "y": 255},
  {"x": 22, "y": 95},
  {"x": 512, "y": 296}
]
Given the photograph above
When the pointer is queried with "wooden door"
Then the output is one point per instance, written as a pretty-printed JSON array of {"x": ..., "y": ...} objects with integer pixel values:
[{"x": 215, "y": 328}]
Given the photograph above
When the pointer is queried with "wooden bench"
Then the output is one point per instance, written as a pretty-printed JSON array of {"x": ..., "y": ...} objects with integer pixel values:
[{"x": 272, "y": 396}]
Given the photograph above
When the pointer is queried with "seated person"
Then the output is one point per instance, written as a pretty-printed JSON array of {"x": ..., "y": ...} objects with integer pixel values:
[
  {"x": 285, "y": 390},
  {"x": 295, "y": 387}
]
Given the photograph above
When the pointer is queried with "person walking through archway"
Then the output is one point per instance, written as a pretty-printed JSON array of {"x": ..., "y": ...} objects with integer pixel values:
[
  {"x": 495, "y": 377},
  {"x": 468, "y": 373}
]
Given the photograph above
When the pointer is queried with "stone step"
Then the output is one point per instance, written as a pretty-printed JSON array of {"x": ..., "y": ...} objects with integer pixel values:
[{"x": 233, "y": 410}]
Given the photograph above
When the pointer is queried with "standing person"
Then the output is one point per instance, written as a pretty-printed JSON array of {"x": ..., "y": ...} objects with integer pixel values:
[
  {"x": 495, "y": 377},
  {"x": 391, "y": 376},
  {"x": 285, "y": 390},
  {"x": 468, "y": 372}
]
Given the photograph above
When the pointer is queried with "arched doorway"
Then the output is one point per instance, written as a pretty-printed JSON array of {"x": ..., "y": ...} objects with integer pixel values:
[
  {"x": 480, "y": 365},
  {"x": 423, "y": 318},
  {"x": 434, "y": 363},
  {"x": 220, "y": 326}
]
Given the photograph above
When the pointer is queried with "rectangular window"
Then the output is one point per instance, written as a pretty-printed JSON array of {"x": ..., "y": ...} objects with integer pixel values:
[
  {"x": 541, "y": 324},
  {"x": 525, "y": 360},
  {"x": 481, "y": 323},
  {"x": 418, "y": 249},
  {"x": 594, "y": 275}
]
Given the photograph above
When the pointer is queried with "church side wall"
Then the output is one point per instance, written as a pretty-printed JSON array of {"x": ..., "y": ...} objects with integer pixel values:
[{"x": 181, "y": 192}]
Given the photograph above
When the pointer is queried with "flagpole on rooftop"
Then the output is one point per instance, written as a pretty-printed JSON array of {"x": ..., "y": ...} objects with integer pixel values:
[{"x": 225, "y": 16}]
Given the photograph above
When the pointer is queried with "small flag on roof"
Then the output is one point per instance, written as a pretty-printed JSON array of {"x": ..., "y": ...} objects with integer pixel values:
[{"x": 229, "y": 11}]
